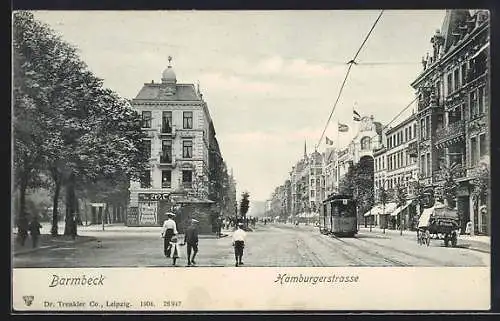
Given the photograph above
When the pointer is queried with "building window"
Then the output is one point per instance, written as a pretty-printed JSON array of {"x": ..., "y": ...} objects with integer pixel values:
[
  {"x": 187, "y": 179},
  {"x": 422, "y": 128},
  {"x": 166, "y": 179},
  {"x": 146, "y": 145},
  {"x": 406, "y": 134},
  {"x": 312, "y": 193},
  {"x": 438, "y": 89},
  {"x": 414, "y": 130},
  {"x": 483, "y": 148},
  {"x": 456, "y": 79},
  {"x": 428, "y": 127},
  {"x": 473, "y": 104},
  {"x": 429, "y": 165},
  {"x": 166, "y": 151},
  {"x": 449, "y": 83},
  {"x": 146, "y": 179},
  {"x": 188, "y": 120},
  {"x": 464, "y": 73},
  {"x": 422, "y": 165},
  {"x": 365, "y": 143},
  {"x": 166, "y": 122},
  {"x": 187, "y": 149},
  {"x": 480, "y": 100},
  {"x": 146, "y": 119},
  {"x": 388, "y": 142},
  {"x": 473, "y": 151}
]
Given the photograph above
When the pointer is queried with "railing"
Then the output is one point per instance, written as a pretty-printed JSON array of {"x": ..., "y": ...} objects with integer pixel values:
[{"x": 452, "y": 130}]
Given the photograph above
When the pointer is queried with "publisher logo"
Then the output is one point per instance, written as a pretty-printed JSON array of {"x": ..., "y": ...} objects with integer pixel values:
[{"x": 28, "y": 299}]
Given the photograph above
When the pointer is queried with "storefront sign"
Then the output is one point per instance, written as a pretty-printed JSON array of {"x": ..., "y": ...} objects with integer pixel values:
[
  {"x": 148, "y": 197},
  {"x": 148, "y": 213}
]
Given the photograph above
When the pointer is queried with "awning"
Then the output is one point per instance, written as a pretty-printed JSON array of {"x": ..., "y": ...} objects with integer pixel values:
[
  {"x": 387, "y": 209},
  {"x": 423, "y": 221},
  {"x": 374, "y": 211},
  {"x": 399, "y": 209},
  {"x": 480, "y": 50}
]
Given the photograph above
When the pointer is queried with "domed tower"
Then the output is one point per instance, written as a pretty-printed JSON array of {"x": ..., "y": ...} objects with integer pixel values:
[{"x": 168, "y": 80}]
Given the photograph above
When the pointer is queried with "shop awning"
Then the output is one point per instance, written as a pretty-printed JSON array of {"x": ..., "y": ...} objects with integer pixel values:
[
  {"x": 374, "y": 211},
  {"x": 387, "y": 209},
  {"x": 401, "y": 208}
]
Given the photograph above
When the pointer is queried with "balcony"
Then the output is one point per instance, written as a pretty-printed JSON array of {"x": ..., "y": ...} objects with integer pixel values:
[
  {"x": 453, "y": 133},
  {"x": 166, "y": 160},
  {"x": 412, "y": 149},
  {"x": 166, "y": 131}
]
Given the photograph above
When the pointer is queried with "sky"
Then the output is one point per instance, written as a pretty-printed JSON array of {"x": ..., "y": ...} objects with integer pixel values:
[{"x": 270, "y": 78}]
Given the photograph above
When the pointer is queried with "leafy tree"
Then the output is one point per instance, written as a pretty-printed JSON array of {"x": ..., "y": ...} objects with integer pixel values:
[
  {"x": 450, "y": 185},
  {"x": 244, "y": 204},
  {"x": 383, "y": 196},
  {"x": 88, "y": 132}
]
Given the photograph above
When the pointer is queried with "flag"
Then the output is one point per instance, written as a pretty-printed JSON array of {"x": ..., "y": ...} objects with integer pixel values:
[
  {"x": 343, "y": 128},
  {"x": 356, "y": 116},
  {"x": 328, "y": 141}
]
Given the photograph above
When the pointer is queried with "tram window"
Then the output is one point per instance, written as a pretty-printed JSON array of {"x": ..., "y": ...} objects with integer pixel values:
[{"x": 339, "y": 209}]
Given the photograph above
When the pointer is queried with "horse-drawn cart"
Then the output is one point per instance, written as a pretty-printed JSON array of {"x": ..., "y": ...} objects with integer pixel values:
[{"x": 438, "y": 219}]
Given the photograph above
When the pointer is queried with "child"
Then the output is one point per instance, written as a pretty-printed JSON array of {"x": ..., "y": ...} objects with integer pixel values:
[{"x": 174, "y": 249}]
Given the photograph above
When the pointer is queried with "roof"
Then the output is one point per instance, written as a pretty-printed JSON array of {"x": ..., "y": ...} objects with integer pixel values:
[
  {"x": 451, "y": 22},
  {"x": 153, "y": 91}
]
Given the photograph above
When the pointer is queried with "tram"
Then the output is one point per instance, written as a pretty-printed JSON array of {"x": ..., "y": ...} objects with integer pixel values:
[{"x": 339, "y": 216}]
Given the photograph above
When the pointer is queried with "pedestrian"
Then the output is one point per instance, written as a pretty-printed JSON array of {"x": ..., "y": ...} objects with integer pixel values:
[
  {"x": 168, "y": 231},
  {"x": 74, "y": 225},
  {"x": 239, "y": 237},
  {"x": 34, "y": 228},
  {"x": 175, "y": 249},
  {"x": 22, "y": 228},
  {"x": 191, "y": 240}
]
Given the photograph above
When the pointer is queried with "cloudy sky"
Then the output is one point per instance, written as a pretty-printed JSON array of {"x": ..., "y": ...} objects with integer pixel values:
[{"x": 270, "y": 78}]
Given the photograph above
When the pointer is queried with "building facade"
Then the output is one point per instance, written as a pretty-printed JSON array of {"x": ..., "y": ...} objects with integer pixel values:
[
  {"x": 453, "y": 110},
  {"x": 184, "y": 154}
]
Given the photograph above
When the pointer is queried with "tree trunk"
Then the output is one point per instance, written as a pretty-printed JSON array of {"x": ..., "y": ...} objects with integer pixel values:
[
  {"x": 69, "y": 227},
  {"x": 55, "y": 203},
  {"x": 22, "y": 225}
]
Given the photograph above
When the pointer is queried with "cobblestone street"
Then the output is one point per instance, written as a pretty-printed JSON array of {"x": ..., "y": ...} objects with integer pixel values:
[{"x": 269, "y": 245}]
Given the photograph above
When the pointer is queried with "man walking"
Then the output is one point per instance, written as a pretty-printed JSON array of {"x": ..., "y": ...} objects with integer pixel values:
[
  {"x": 34, "y": 228},
  {"x": 169, "y": 229},
  {"x": 191, "y": 240},
  {"x": 239, "y": 237}
]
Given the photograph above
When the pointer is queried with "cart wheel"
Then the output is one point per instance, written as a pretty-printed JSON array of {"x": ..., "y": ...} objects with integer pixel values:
[
  {"x": 446, "y": 240},
  {"x": 427, "y": 238},
  {"x": 454, "y": 239}
]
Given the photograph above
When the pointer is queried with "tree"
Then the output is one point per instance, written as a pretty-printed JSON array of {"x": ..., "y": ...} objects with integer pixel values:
[
  {"x": 481, "y": 184},
  {"x": 383, "y": 198},
  {"x": 244, "y": 204},
  {"x": 88, "y": 132},
  {"x": 449, "y": 184},
  {"x": 401, "y": 201}
]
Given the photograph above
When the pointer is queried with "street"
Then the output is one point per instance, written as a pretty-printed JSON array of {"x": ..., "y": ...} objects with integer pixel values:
[{"x": 267, "y": 246}]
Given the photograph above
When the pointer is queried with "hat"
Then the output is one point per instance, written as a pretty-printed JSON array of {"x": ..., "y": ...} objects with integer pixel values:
[
  {"x": 170, "y": 214},
  {"x": 240, "y": 224},
  {"x": 194, "y": 220}
]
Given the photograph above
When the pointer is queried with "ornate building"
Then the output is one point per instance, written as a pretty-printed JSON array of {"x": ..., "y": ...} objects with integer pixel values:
[
  {"x": 453, "y": 110},
  {"x": 186, "y": 163}
]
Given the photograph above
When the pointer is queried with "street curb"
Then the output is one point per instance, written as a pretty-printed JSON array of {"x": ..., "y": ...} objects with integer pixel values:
[{"x": 87, "y": 239}]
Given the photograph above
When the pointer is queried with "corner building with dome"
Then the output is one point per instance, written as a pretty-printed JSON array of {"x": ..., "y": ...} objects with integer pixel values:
[{"x": 183, "y": 152}]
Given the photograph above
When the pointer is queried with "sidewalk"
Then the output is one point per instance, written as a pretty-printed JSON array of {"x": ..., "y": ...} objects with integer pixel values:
[
  {"x": 46, "y": 241},
  {"x": 478, "y": 242}
]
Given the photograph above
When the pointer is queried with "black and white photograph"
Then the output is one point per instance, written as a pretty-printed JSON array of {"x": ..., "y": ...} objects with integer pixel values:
[{"x": 190, "y": 141}]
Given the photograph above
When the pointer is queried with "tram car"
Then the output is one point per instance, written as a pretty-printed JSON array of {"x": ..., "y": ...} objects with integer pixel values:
[{"x": 338, "y": 216}]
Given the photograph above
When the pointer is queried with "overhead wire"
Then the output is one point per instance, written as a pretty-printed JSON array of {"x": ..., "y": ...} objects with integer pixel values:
[{"x": 351, "y": 63}]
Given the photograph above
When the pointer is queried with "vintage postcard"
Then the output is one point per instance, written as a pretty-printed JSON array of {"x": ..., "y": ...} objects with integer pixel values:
[{"x": 251, "y": 160}]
